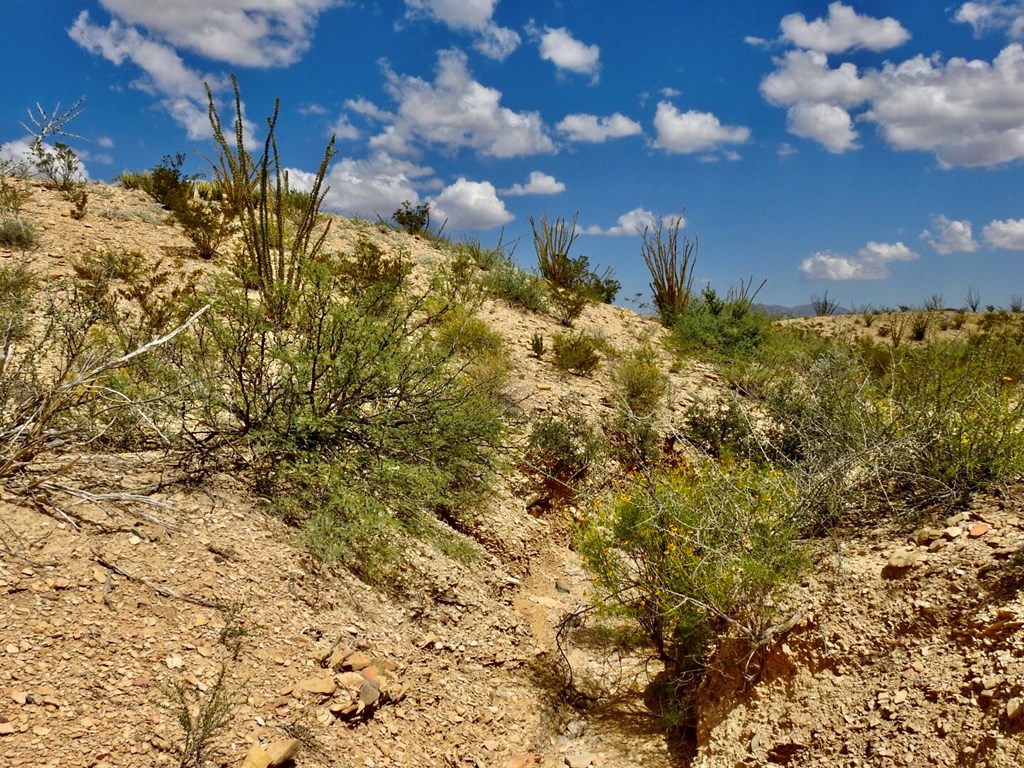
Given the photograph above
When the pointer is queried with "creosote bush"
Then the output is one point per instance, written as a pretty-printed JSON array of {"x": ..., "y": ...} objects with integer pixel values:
[
  {"x": 695, "y": 556},
  {"x": 578, "y": 353},
  {"x": 562, "y": 451}
]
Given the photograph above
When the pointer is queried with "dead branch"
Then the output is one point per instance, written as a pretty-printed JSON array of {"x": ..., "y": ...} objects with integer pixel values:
[{"x": 159, "y": 589}]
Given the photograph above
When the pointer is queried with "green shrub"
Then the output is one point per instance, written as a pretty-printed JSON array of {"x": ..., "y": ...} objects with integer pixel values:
[
  {"x": 696, "y": 557},
  {"x": 273, "y": 257},
  {"x": 413, "y": 219},
  {"x": 109, "y": 265},
  {"x": 370, "y": 269},
  {"x": 719, "y": 327},
  {"x": 562, "y": 451},
  {"x": 15, "y": 232},
  {"x": 204, "y": 224},
  {"x": 577, "y": 353},
  {"x": 516, "y": 286},
  {"x": 639, "y": 383},
  {"x": 570, "y": 279},
  {"x": 671, "y": 272},
  {"x": 358, "y": 389}
]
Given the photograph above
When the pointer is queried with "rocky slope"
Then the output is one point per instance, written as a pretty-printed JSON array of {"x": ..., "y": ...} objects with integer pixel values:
[{"x": 904, "y": 651}]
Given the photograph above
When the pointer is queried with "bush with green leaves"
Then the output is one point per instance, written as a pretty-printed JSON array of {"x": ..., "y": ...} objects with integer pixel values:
[
  {"x": 578, "y": 352},
  {"x": 15, "y": 232},
  {"x": 562, "y": 451},
  {"x": 413, "y": 219},
  {"x": 695, "y": 557},
  {"x": 896, "y": 433},
  {"x": 274, "y": 255},
  {"x": 571, "y": 280},
  {"x": 360, "y": 385},
  {"x": 718, "y": 327},
  {"x": 518, "y": 287}
]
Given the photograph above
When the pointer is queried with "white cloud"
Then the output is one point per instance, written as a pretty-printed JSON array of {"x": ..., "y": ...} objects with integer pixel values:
[
  {"x": 343, "y": 129},
  {"x": 948, "y": 236},
  {"x": 843, "y": 30},
  {"x": 1007, "y": 234},
  {"x": 596, "y": 129},
  {"x": 469, "y": 205},
  {"x": 456, "y": 111},
  {"x": 966, "y": 112},
  {"x": 805, "y": 76},
  {"x": 566, "y": 52},
  {"x": 472, "y": 16},
  {"x": 248, "y": 33},
  {"x": 538, "y": 184},
  {"x": 689, "y": 132},
  {"x": 993, "y": 15},
  {"x": 105, "y": 141},
  {"x": 826, "y": 123},
  {"x": 969, "y": 113},
  {"x": 374, "y": 186},
  {"x": 871, "y": 263},
  {"x": 180, "y": 89},
  {"x": 632, "y": 223}
]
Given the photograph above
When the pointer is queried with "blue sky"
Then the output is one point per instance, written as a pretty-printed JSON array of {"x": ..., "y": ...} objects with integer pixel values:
[{"x": 870, "y": 149}]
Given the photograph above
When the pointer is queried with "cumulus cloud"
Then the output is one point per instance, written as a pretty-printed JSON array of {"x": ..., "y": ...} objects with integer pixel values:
[
  {"x": 828, "y": 124},
  {"x": 1006, "y": 235},
  {"x": 377, "y": 185},
  {"x": 591, "y": 128},
  {"x": 993, "y": 15},
  {"x": 689, "y": 132},
  {"x": 843, "y": 30},
  {"x": 871, "y": 263},
  {"x": 179, "y": 89},
  {"x": 632, "y": 223},
  {"x": 567, "y": 53},
  {"x": 539, "y": 183},
  {"x": 967, "y": 113},
  {"x": 472, "y": 16},
  {"x": 948, "y": 236},
  {"x": 805, "y": 76},
  {"x": 247, "y": 33},
  {"x": 456, "y": 111},
  {"x": 470, "y": 205}
]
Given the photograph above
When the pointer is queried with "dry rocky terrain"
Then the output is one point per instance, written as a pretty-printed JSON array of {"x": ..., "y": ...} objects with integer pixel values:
[{"x": 906, "y": 647}]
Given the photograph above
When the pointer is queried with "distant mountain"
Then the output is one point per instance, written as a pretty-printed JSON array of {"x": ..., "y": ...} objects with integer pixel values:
[{"x": 802, "y": 310}]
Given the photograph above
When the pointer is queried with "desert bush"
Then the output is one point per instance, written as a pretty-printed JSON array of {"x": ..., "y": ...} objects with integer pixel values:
[
  {"x": 14, "y": 192},
  {"x": 577, "y": 353},
  {"x": 719, "y": 327},
  {"x": 571, "y": 280},
  {"x": 413, "y": 219},
  {"x": 934, "y": 303},
  {"x": 360, "y": 386},
  {"x": 203, "y": 715},
  {"x": 671, "y": 272},
  {"x": 722, "y": 429},
  {"x": 562, "y": 451},
  {"x": 887, "y": 435},
  {"x": 273, "y": 257},
  {"x": 639, "y": 384},
  {"x": 109, "y": 265},
  {"x": 204, "y": 224},
  {"x": 973, "y": 298},
  {"x": 920, "y": 324},
  {"x": 695, "y": 557},
  {"x": 824, "y": 306},
  {"x": 15, "y": 232},
  {"x": 515, "y": 285}
]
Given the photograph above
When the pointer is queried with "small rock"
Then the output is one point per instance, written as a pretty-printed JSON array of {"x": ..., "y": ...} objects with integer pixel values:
[
  {"x": 1014, "y": 710},
  {"x": 321, "y": 685},
  {"x": 978, "y": 530},
  {"x": 952, "y": 532},
  {"x": 579, "y": 760},
  {"x": 563, "y": 586},
  {"x": 927, "y": 536}
]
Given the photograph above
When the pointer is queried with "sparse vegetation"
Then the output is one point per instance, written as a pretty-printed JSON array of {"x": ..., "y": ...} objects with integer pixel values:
[
  {"x": 577, "y": 353},
  {"x": 671, "y": 272},
  {"x": 823, "y": 306}
]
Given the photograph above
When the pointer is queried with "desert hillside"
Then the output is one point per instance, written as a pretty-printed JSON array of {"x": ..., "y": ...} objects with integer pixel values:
[{"x": 161, "y": 606}]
